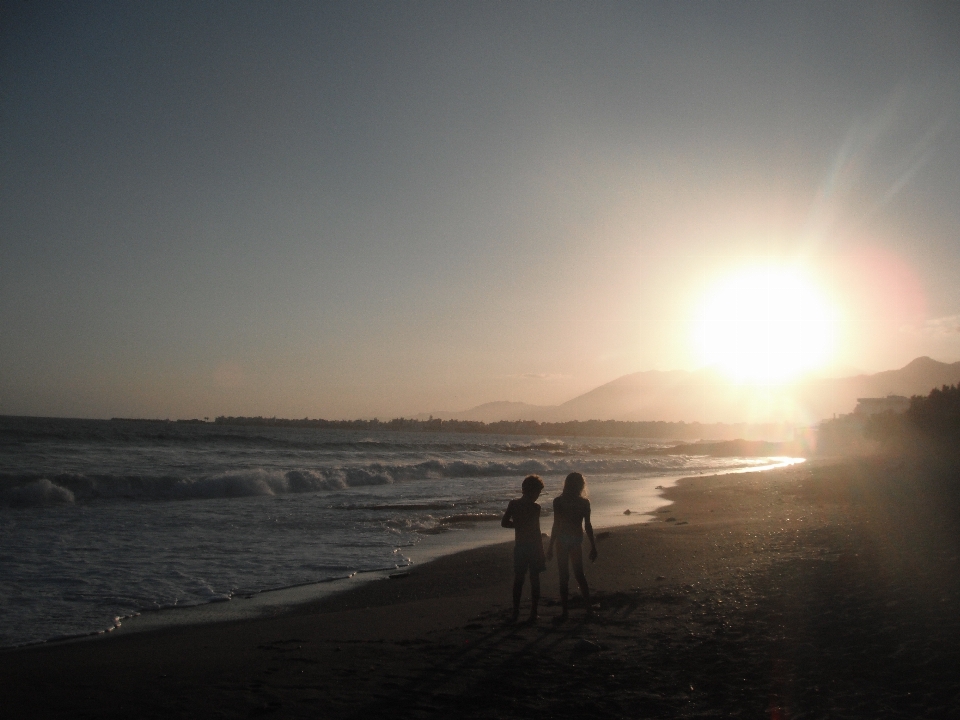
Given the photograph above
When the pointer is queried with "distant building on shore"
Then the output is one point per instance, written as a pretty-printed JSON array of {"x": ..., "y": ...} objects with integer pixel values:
[{"x": 873, "y": 406}]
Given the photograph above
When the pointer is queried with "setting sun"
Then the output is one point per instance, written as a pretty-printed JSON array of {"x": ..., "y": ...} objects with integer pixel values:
[{"x": 765, "y": 325}]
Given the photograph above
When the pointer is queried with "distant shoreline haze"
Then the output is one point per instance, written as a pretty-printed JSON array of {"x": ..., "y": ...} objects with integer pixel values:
[
  {"x": 706, "y": 397},
  {"x": 678, "y": 405},
  {"x": 575, "y": 428}
]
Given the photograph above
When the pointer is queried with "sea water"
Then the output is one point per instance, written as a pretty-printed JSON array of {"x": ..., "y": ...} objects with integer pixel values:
[{"x": 103, "y": 520}]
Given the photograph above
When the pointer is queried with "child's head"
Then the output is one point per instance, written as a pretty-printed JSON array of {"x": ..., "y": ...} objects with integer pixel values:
[
  {"x": 532, "y": 485},
  {"x": 574, "y": 485}
]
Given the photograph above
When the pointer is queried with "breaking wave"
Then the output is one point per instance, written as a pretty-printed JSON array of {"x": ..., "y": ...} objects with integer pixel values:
[
  {"x": 32, "y": 490},
  {"x": 37, "y": 492}
]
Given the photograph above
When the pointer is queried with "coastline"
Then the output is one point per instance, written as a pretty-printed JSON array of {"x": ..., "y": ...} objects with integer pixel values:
[
  {"x": 712, "y": 588},
  {"x": 616, "y": 497},
  {"x": 112, "y": 541}
]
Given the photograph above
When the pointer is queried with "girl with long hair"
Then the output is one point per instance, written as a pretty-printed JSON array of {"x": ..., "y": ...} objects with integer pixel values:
[{"x": 571, "y": 517}]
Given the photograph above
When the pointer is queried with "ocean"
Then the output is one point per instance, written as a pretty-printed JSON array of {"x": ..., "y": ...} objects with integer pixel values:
[{"x": 103, "y": 520}]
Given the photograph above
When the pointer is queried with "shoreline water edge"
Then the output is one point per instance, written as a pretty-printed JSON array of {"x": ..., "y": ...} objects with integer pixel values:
[
  {"x": 828, "y": 588},
  {"x": 112, "y": 521},
  {"x": 266, "y": 603}
]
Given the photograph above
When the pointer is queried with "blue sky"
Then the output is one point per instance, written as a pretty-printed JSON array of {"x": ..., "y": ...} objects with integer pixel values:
[{"x": 359, "y": 209}]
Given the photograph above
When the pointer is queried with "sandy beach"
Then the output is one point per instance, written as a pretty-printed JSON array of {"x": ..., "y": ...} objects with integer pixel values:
[{"x": 829, "y": 589}]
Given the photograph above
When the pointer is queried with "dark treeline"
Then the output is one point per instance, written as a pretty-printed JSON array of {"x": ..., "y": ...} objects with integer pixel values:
[
  {"x": 931, "y": 425},
  {"x": 925, "y": 440},
  {"x": 930, "y": 421},
  {"x": 573, "y": 428}
]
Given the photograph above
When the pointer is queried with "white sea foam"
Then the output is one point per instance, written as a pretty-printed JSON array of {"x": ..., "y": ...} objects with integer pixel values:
[
  {"x": 104, "y": 520},
  {"x": 34, "y": 493},
  {"x": 27, "y": 489}
]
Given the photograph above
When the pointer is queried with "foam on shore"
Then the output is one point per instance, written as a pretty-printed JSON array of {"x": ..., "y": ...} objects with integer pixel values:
[{"x": 610, "y": 500}]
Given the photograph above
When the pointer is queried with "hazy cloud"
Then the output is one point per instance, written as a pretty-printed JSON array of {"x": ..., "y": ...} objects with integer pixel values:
[{"x": 944, "y": 326}]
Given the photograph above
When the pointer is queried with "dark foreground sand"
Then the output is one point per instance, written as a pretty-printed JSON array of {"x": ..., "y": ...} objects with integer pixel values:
[{"x": 823, "y": 591}]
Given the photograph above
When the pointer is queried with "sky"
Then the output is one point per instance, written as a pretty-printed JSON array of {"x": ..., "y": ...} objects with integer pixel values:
[{"x": 348, "y": 210}]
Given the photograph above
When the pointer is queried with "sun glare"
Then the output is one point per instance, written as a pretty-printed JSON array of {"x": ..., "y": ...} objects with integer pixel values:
[{"x": 765, "y": 325}]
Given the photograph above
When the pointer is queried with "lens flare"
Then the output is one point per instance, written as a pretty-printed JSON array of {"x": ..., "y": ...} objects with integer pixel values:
[{"x": 765, "y": 325}]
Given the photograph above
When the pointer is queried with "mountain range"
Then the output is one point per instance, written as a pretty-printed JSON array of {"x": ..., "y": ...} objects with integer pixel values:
[{"x": 706, "y": 396}]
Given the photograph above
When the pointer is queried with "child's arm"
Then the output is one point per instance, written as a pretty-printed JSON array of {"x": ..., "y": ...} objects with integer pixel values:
[
  {"x": 508, "y": 520},
  {"x": 589, "y": 528}
]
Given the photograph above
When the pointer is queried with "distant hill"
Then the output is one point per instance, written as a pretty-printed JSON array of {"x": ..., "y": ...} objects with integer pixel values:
[
  {"x": 669, "y": 396},
  {"x": 707, "y": 397},
  {"x": 918, "y": 377}
]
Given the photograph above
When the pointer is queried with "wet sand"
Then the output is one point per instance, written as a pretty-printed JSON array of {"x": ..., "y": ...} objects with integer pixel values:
[{"x": 821, "y": 590}]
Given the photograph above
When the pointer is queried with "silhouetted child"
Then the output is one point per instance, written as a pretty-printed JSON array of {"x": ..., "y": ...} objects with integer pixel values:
[
  {"x": 523, "y": 515},
  {"x": 571, "y": 509}
]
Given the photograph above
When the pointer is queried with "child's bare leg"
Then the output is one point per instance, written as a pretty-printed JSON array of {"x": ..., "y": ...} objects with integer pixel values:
[
  {"x": 534, "y": 594},
  {"x": 576, "y": 558},
  {"x": 564, "y": 568},
  {"x": 518, "y": 591}
]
